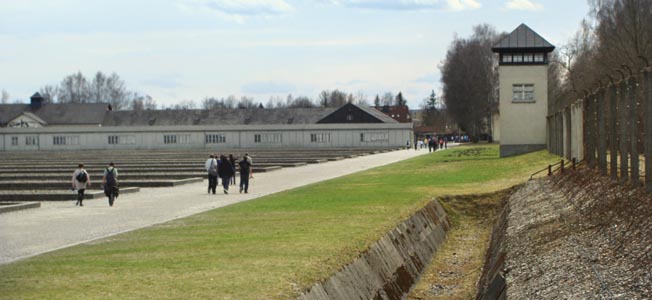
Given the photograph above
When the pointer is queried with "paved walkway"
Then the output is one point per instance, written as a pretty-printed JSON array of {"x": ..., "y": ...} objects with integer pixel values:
[{"x": 58, "y": 225}]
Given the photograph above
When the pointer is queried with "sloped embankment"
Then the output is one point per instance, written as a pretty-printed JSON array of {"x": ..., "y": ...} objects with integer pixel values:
[
  {"x": 575, "y": 236},
  {"x": 389, "y": 268}
]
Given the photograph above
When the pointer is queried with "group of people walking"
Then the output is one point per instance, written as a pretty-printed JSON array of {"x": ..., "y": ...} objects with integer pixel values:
[
  {"x": 224, "y": 168},
  {"x": 81, "y": 181},
  {"x": 432, "y": 143}
]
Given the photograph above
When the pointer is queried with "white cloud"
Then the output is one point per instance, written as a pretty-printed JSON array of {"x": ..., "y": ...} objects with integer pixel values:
[
  {"x": 523, "y": 5},
  {"x": 413, "y": 5},
  {"x": 238, "y": 9}
]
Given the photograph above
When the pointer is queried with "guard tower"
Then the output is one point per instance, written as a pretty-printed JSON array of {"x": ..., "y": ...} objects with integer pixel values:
[{"x": 523, "y": 92}]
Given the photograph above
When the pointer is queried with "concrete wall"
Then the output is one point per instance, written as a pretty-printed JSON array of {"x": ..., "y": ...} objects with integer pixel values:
[
  {"x": 291, "y": 136},
  {"x": 523, "y": 123},
  {"x": 389, "y": 268},
  {"x": 577, "y": 130},
  {"x": 495, "y": 127}
]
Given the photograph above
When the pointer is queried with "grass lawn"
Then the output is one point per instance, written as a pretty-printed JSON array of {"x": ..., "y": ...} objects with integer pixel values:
[{"x": 270, "y": 248}]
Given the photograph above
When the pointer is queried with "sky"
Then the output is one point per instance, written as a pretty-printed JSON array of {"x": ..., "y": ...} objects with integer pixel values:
[{"x": 182, "y": 50}]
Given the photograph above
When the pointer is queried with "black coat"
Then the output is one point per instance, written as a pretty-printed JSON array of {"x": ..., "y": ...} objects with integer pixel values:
[{"x": 225, "y": 169}]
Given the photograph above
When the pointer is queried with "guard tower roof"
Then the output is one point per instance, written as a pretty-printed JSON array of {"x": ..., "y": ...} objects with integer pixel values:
[{"x": 523, "y": 39}]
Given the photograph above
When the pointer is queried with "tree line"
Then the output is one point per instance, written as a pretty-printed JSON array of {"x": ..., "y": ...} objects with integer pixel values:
[
  {"x": 615, "y": 37},
  {"x": 111, "y": 89}
]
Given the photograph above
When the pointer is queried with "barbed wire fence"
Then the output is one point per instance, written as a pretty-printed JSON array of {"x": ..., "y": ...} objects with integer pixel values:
[{"x": 610, "y": 128}]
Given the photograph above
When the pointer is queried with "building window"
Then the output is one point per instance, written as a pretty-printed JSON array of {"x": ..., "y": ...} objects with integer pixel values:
[
  {"x": 65, "y": 140},
  {"x": 539, "y": 57},
  {"x": 523, "y": 93},
  {"x": 527, "y": 57},
  {"x": 518, "y": 57},
  {"x": 349, "y": 117},
  {"x": 215, "y": 139},
  {"x": 122, "y": 140},
  {"x": 507, "y": 58},
  {"x": 268, "y": 138},
  {"x": 320, "y": 137},
  {"x": 31, "y": 140},
  {"x": 373, "y": 137},
  {"x": 169, "y": 139},
  {"x": 183, "y": 139},
  {"x": 14, "y": 141}
]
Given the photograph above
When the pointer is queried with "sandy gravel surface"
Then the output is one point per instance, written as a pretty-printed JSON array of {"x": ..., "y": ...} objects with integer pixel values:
[{"x": 62, "y": 224}]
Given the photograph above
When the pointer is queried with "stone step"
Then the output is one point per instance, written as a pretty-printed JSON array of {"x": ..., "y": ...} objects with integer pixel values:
[{"x": 21, "y": 195}]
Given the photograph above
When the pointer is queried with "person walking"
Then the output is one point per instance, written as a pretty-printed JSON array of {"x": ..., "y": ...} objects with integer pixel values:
[
  {"x": 225, "y": 171},
  {"x": 80, "y": 181},
  {"x": 251, "y": 162},
  {"x": 245, "y": 172},
  {"x": 110, "y": 183},
  {"x": 234, "y": 163},
  {"x": 211, "y": 168}
]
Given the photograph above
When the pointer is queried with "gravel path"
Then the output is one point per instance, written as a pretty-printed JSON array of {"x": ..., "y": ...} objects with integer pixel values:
[{"x": 58, "y": 225}]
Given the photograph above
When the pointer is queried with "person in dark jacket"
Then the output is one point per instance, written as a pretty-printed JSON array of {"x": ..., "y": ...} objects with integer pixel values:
[
  {"x": 225, "y": 171},
  {"x": 110, "y": 182},
  {"x": 245, "y": 172}
]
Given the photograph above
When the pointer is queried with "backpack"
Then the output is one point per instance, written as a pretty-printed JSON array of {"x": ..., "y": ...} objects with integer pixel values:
[
  {"x": 213, "y": 168},
  {"x": 110, "y": 177},
  {"x": 82, "y": 177}
]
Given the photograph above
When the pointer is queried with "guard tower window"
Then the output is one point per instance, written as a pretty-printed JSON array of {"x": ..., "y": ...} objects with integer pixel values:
[{"x": 523, "y": 93}]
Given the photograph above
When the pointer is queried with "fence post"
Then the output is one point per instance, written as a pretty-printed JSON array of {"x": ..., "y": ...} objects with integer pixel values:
[
  {"x": 601, "y": 136},
  {"x": 633, "y": 119},
  {"x": 588, "y": 131},
  {"x": 562, "y": 167},
  {"x": 568, "y": 143},
  {"x": 549, "y": 170},
  {"x": 574, "y": 163},
  {"x": 622, "y": 124},
  {"x": 613, "y": 140},
  {"x": 647, "y": 119}
]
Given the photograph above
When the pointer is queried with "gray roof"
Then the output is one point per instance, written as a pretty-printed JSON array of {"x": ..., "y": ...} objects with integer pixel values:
[
  {"x": 523, "y": 38},
  {"x": 376, "y": 113},
  {"x": 254, "y": 116},
  {"x": 72, "y": 113},
  {"x": 57, "y": 113}
]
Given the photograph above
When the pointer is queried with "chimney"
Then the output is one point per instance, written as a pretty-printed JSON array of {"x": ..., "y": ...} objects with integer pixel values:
[{"x": 36, "y": 101}]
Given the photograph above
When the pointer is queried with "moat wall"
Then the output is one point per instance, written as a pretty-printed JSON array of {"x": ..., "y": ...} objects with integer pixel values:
[{"x": 391, "y": 266}]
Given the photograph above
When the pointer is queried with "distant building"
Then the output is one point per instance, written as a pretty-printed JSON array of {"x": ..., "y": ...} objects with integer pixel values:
[
  {"x": 39, "y": 114},
  {"x": 39, "y": 126},
  {"x": 520, "y": 124},
  {"x": 398, "y": 113}
]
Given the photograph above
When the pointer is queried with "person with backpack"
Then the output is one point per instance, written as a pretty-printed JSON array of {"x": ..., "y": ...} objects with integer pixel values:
[
  {"x": 225, "y": 170},
  {"x": 211, "y": 168},
  {"x": 80, "y": 181},
  {"x": 245, "y": 171},
  {"x": 110, "y": 183}
]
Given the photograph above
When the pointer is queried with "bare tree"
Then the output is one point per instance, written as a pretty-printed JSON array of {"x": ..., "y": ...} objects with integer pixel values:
[
  {"x": 387, "y": 99},
  {"x": 400, "y": 101},
  {"x": 470, "y": 79},
  {"x": 74, "y": 89},
  {"x": 4, "y": 99},
  {"x": 98, "y": 88},
  {"x": 142, "y": 102},
  {"x": 246, "y": 102},
  {"x": 49, "y": 93}
]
